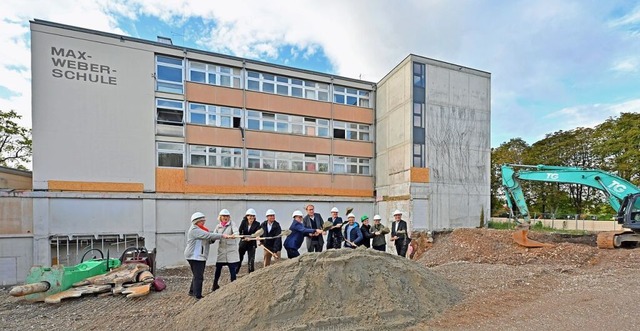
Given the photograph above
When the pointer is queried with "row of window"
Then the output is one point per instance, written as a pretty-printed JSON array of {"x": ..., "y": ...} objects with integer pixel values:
[
  {"x": 419, "y": 95},
  {"x": 172, "y": 155},
  {"x": 169, "y": 78},
  {"x": 171, "y": 112}
]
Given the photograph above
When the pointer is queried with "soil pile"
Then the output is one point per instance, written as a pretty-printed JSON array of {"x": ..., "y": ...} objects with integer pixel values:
[
  {"x": 497, "y": 247},
  {"x": 338, "y": 289}
]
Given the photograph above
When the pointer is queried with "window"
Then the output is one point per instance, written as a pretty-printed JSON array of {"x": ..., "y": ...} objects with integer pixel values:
[
  {"x": 351, "y": 131},
  {"x": 215, "y": 74},
  {"x": 419, "y": 99},
  {"x": 213, "y": 115},
  {"x": 350, "y": 96},
  {"x": 282, "y": 85},
  {"x": 169, "y": 77},
  {"x": 286, "y": 161},
  {"x": 169, "y": 112},
  {"x": 351, "y": 165},
  {"x": 418, "y": 155},
  {"x": 170, "y": 154},
  {"x": 214, "y": 156},
  {"x": 283, "y": 123}
]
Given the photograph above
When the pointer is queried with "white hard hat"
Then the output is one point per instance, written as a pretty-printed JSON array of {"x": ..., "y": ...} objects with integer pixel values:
[
  {"x": 224, "y": 212},
  {"x": 351, "y": 215},
  {"x": 296, "y": 213},
  {"x": 251, "y": 211},
  {"x": 334, "y": 210},
  {"x": 196, "y": 216},
  {"x": 397, "y": 212},
  {"x": 376, "y": 217},
  {"x": 270, "y": 212}
]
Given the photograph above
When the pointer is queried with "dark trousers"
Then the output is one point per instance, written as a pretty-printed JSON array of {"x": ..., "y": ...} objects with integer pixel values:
[
  {"x": 197, "y": 269},
  {"x": 315, "y": 246},
  {"x": 233, "y": 267},
  {"x": 292, "y": 253},
  {"x": 401, "y": 248},
  {"x": 381, "y": 248},
  {"x": 251, "y": 252},
  {"x": 334, "y": 241}
]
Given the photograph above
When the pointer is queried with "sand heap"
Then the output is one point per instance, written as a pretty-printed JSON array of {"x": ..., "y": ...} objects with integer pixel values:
[{"x": 338, "y": 289}]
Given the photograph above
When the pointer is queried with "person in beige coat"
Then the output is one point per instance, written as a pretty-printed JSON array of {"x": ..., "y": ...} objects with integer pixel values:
[
  {"x": 228, "y": 248},
  {"x": 199, "y": 238}
]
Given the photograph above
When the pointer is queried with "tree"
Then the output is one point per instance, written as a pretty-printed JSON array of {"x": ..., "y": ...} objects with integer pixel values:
[
  {"x": 15, "y": 141},
  {"x": 511, "y": 152},
  {"x": 618, "y": 142}
]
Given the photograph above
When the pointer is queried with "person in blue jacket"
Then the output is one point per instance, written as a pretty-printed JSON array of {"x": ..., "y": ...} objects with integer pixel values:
[
  {"x": 352, "y": 234},
  {"x": 298, "y": 232}
]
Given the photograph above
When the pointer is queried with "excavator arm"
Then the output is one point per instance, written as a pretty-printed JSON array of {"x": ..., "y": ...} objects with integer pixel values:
[{"x": 619, "y": 192}]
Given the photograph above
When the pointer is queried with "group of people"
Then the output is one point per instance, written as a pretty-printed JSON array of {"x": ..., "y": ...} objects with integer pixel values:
[{"x": 268, "y": 234}]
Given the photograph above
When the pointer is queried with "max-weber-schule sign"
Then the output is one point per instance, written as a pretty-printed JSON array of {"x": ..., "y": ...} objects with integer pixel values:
[{"x": 74, "y": 64}]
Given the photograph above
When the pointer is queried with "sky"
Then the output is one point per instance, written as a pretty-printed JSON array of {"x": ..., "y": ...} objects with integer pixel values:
[{"x": 554, "y": 64}]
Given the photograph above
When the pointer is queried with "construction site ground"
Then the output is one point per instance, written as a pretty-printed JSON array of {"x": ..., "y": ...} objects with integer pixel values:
[{"x": 571, "y": 285}]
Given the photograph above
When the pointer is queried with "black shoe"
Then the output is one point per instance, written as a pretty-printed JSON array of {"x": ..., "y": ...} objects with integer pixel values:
[
  {"x": 215, "y": 287},
  {"x": 191, "y": 294}
]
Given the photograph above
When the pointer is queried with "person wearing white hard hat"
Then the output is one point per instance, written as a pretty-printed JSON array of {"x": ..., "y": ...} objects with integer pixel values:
[
  {"x": 248, "y": 226},
  {"x": 298, "y": 232},
  {"x": 379, "y": 231},
  {"x": 271, "y": 229},
  {"x": 227, "y": 249},
  {"x": 352, "y": 234},
  {"x": 334, "y": 237},
  {"x": 199, "y": 238},
  {"x": 400, "y": 233}
]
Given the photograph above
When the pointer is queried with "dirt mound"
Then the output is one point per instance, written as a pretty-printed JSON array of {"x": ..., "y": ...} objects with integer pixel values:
[
  {"x": 497, "y": 246},
  {"x": 346, "y": 289}
]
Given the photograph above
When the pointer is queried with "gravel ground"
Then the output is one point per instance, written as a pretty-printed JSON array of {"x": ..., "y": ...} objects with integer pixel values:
[{"x": 570, "y": 286}]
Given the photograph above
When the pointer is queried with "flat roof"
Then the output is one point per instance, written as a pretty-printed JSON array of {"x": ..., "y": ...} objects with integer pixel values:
[
  {"x": 193, "y": 50},
  {"x": 13, "y": 171}
]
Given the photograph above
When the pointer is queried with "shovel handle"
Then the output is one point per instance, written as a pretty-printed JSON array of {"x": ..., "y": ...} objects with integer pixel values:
[{"x": 270, "y": 252}]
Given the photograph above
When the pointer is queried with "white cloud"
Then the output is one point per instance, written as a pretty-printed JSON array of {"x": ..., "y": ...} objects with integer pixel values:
[
  {"x": 630, "y": 64},
  {"x": 540, "y": 53}
]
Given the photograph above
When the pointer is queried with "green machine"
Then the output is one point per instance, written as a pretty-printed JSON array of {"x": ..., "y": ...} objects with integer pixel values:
[{"x": 45, "y": 281}]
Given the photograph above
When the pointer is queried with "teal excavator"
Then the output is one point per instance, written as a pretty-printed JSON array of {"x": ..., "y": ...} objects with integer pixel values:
[{"x": 622, "y": 195}]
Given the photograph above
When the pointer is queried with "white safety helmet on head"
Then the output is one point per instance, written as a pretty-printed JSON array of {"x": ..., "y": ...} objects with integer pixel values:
[
  {"x": 270, "y": 212},
  {"x": 196, "y": 216},
  {"x": 397, "y": 212},
  {"x": 351, "y": 215},
  {"x": 224, "y": 212},
  {"x": 335, "y": 210},
  {"x": 296, "y": 213},
  {"x": 250, "y": 211},
  {"x": 377, "y": 217}
]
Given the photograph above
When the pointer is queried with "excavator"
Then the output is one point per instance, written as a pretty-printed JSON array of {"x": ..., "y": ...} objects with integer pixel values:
[{"x": 622, "y": 195}]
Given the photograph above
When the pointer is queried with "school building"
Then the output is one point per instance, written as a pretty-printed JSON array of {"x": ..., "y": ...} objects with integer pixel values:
[{"x": 132, "y": 136}]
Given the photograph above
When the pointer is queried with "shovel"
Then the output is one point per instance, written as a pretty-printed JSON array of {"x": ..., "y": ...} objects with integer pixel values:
[
  {"x": 282, "y": 234},
  {"x": 270, "y": 252}
]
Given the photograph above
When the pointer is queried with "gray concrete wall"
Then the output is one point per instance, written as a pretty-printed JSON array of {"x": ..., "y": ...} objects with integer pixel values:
[
  {"x": 158, "y": 220},
  {"x": 458, "y": 147},
  {"x": 100, "y": 131}
]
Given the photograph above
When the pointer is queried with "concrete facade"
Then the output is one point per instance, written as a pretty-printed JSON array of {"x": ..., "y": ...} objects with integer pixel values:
[
  {"x": 451, "y": 188},
  {"x": 102, "y": 176}
]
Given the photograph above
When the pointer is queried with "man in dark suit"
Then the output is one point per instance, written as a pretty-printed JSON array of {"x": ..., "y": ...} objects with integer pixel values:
[
  {"x": 314, "y": 221},
  {"x": 271, "y": 228},
  {"x": 400, "y": 233}
]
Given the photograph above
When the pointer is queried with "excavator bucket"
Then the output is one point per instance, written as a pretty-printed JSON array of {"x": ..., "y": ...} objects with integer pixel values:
[{"x": 520, "y": 238}]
